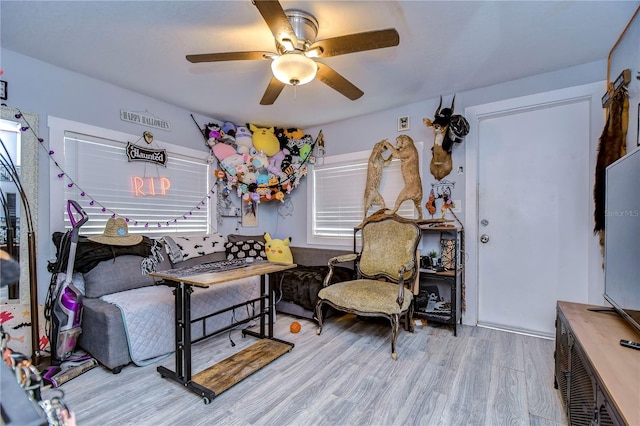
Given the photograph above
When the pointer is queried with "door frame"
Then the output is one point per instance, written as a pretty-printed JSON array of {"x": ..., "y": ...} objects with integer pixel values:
[{"x": 474, "y": 115}]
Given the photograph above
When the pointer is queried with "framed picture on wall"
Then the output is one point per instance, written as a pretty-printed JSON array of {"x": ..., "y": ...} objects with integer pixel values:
[
  {"x": 403, "y": 123},
  {"x": 249, "y": 213}
]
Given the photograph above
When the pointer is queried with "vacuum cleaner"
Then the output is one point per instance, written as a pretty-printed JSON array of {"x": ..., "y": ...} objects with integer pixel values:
[{"x": 65, "y": 312}]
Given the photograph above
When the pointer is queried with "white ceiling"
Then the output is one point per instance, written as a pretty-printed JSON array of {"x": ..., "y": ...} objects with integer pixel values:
[{"x": 445, "y": 47}]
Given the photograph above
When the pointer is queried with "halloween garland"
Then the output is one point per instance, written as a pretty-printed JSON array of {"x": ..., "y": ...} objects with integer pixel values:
[{"x": 260, "y": 163}]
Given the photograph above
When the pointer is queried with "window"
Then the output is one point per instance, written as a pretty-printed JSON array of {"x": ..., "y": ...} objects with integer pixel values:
[
  {"x": 336, "y": 196},
  {"x": 156, "y": 200},
  {"x": 10, "y": 203},
  {"x": 10, "y": 155}
]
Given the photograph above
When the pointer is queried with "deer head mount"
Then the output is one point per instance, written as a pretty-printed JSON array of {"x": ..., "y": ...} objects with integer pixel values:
[{"x": 449, "y": 128}]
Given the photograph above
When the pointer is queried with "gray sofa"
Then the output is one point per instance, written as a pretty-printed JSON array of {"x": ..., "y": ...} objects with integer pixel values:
[
  {"x": 113, "y": 286},
  {"x": 105, "y": 335}
]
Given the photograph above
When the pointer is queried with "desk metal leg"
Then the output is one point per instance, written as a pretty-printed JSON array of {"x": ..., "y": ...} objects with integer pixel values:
[
  {"x": 184, "y": 323},
  {"x": 266, "y": 314},
  {"x": 264, "y": 311},
  {"x": 270, "y": 309},
  {"x": 182, "y": 373},
  {"x": 182, "y": 299}
]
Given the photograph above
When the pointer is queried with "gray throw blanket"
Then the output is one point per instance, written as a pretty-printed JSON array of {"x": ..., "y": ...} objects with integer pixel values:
[{"x": 150, "y": 325}]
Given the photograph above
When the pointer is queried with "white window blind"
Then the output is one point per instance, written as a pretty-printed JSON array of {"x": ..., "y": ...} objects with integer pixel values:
[
  {"x": 337, "y": 196},
  {"x": 154, "y": 198}
]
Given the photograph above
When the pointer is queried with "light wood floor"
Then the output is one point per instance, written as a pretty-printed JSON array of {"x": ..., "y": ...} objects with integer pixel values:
[{"x": 345, "y": 376}]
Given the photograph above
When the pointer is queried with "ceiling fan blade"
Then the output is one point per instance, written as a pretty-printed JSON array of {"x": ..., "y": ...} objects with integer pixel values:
[
  {"x": 331, "y": 78},
  {"x": 229, "y": 56},
  {"x": 277, "y": 20},
  {"x": 356, "y": 42},
  {"x": 273, "y": 91}
]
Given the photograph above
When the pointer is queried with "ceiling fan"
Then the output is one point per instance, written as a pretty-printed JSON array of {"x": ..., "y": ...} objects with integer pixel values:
[{"x": 294, "y": 61}]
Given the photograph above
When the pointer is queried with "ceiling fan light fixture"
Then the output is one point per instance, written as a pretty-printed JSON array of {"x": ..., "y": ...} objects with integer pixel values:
[{"x": 294, "y": 69}]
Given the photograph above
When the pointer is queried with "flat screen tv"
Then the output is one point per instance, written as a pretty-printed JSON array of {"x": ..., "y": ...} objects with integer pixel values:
[{"x": 622, "y": 237}]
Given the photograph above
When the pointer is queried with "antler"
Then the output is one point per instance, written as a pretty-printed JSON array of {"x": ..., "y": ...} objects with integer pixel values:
[{"x": 439, "y": 106}]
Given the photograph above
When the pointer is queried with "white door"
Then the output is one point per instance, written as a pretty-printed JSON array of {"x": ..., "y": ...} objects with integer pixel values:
[{"x": 533, "y": 212}]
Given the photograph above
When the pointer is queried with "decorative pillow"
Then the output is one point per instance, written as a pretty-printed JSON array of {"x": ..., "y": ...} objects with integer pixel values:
[
  {"x": 245, "y": 249},
  {"x": 236, "y": 238},
  {"x": 278, "y": 250},
  {"x": 180, "y": 248},
  {"x": 172, "y": 249}
]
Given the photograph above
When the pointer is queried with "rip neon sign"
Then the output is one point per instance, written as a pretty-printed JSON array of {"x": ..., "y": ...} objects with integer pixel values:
[{"x": 150, "y": 186}]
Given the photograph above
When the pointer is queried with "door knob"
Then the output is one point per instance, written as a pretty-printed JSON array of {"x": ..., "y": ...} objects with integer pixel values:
[{"x": 484, "y": 238}]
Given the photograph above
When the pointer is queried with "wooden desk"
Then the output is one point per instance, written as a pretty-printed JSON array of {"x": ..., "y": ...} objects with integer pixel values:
[{"x": 216, "y": 379}]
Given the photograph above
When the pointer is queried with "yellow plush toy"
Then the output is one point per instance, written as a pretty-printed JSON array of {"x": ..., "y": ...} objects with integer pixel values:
[
  {"x": 277, "y": 250},
  {"x": 265, "y": 140}
]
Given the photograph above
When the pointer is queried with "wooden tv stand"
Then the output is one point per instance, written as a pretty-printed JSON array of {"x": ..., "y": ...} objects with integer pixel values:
[{"x": 599, "y": 380}]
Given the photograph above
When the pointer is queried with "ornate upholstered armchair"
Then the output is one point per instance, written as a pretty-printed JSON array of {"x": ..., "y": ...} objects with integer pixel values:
[{"x": 387, "y": 262}]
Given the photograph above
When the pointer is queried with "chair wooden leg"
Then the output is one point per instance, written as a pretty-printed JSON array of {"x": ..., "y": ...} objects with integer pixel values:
[
  {"x": 319, "y": 316},
  {"x": 395, "y": 326},
  {"x": 408, "y": 324}
]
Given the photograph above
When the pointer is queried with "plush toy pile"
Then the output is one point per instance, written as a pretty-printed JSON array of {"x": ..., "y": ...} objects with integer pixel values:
[{"x": 260, "y": 163}]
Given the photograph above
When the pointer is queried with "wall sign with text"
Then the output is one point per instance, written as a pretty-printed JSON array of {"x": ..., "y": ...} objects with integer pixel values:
[
  {"x": 144, "y": 119},
  {"x": 150, "y": 155}
]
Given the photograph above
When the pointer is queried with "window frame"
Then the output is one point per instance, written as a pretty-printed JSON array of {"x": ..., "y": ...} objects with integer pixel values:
[
  {"x": 57, "y": 132},
  {"x": 352, "y": 157}
]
